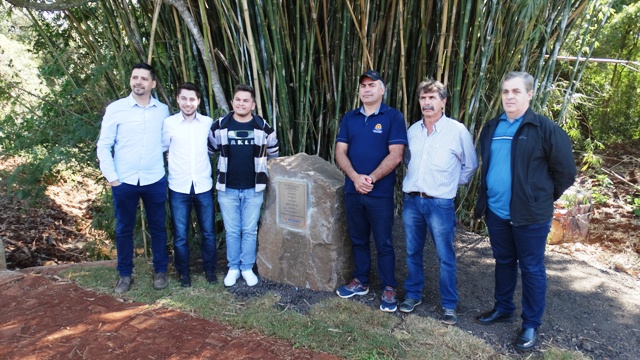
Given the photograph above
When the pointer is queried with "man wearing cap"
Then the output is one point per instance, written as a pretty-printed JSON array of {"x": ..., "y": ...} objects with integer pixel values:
[
  {"x": 440, "y": 157},
  {"x": 527, "y": 163},
  {"x": 369, "y": 146}
]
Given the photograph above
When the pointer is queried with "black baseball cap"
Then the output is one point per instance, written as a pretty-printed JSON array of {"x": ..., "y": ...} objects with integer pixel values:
[{"x": 371, "y": 74}]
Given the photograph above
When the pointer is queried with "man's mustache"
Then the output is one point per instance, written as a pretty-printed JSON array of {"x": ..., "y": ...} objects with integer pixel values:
[{"x": 427, "y": 107}]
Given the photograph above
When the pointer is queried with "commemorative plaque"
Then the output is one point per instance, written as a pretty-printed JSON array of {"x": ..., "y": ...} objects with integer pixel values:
[{"x": 292, "y": 203}]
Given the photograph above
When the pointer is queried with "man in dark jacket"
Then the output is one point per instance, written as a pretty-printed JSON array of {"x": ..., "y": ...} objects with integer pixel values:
[{"x": 527, "y": 163}]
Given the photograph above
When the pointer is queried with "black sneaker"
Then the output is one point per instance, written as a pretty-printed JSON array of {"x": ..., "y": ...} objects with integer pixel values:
[
  {"x": 123, "y": 285},
  {"x": 211, "y": 277},
  {"x": 185, "y": 280},
  {"x": 160, "y": 280}
]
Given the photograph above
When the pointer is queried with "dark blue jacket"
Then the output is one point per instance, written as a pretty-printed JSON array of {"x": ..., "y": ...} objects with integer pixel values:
[{"x": 542, "y": 168}]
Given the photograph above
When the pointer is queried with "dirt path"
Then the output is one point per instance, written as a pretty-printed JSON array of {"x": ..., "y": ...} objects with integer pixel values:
[{"x": 43, "y": 318}]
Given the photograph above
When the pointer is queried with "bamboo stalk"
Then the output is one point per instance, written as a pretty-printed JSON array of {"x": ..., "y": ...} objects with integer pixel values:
[{"x": 154, "y": 23}]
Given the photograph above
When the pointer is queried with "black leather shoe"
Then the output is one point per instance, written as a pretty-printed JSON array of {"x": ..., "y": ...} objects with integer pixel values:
[
  {"x": 527, "y": 339},
  {"x": 211, "y": 277},
  {"x": 185, "y": 280},
  {"x": 492, "y": 317}
]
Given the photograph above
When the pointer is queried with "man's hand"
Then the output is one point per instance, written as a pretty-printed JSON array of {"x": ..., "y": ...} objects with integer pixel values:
[
  {"x": 363, "y": 184},
  {"x": 115, "y": 183}
]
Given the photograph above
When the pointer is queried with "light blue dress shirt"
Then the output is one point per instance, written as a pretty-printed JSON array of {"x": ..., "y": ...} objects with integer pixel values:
[
  {"x": 438, "y": 163},
  {"x": 130, "y": 143}
]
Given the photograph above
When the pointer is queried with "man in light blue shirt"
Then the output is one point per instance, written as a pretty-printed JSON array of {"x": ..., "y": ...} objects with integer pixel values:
[
  {"x": 440, "y": 157},
  {"x": 130, "y": 154}
]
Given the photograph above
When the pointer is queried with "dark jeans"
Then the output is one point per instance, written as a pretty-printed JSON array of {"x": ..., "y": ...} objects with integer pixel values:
[
  {"x": 125, "y": 203},
  {"x": 522, "y": 246},
  {"x": 438, "y": 216},
  {"x": 367, "y": 215},
  {"x": 181, "y": 205}
]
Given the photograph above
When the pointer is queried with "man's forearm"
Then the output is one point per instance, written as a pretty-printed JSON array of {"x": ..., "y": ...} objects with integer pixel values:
[{"x": 389, "y": 163}]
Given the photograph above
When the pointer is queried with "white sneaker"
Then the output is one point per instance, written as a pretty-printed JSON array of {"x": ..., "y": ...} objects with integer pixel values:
[
  {"x": 231, "y": 277},
  {"x": 249, "y": 277}
]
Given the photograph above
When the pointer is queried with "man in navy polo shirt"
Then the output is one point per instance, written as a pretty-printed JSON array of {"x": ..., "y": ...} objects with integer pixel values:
[{"x": 369, "y": 146}]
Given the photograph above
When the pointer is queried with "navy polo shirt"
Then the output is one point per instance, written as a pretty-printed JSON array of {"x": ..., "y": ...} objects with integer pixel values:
[{"x": 369, "y": 138}]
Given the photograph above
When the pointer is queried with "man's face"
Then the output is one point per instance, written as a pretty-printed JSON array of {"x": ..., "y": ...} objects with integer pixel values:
[
  {"x": 243, "y": 103},
  {"x": 371, "y": 91},
  {"x": 431, "y": 105},
  {"x": 515, "y": 98},
  {"x": 141, "y": 82},
  {"x": 188, "y": 102}
]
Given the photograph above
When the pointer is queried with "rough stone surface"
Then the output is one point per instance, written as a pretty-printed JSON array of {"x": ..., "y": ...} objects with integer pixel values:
[{"x": 318, "y": 256}]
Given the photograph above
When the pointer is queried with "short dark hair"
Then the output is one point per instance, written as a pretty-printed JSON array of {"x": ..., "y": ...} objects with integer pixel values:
[
  {"x": 247, "y": 88},
  {"x": 145, "y": 66},
  {"x": 188, "y": 86},
  {"x": 430, "y": 85},
  {"x": 525, "y": 76}
]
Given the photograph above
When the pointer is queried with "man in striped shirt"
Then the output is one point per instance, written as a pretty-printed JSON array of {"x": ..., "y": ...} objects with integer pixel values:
[{"x": 440, "y": 157}]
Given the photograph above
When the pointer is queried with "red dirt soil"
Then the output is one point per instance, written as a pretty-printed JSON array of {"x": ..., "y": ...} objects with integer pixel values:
[{"x": 45, "y": 317}]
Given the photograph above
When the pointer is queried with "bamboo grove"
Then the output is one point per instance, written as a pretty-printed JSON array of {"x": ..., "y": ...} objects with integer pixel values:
[{"x": 304, "y": 57}]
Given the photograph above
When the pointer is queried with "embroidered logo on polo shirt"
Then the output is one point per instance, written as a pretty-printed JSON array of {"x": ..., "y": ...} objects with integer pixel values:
[{"x": 377, "y": 129}]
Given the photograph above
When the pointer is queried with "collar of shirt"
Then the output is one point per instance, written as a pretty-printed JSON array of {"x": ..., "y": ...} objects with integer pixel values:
[
  {"x": 438, "y": 126},
  {"x": 373, "y": 113},
  {"x": 132, "y": 101},
  {"x": 504, "y": 117},
  {"x": 197, "y": 117}
]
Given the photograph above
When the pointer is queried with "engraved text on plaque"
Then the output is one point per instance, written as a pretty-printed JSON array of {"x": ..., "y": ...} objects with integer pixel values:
[{"x": 292, "y": 203}]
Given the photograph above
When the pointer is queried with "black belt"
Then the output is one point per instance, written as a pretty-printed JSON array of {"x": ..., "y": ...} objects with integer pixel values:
[{"x": 421, "y": 194}]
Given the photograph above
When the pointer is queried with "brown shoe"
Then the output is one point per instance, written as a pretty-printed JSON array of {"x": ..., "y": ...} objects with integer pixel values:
[
  {"x": 123, "y": 285},
  {"x": 160, "y": 280}
]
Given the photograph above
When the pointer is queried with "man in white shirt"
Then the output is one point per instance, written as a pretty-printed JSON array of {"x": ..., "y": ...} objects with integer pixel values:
[
  {"x": 185, "y": 136},
  {"x": 130, "y": 154},
  {"x": 440, "y": 157}
]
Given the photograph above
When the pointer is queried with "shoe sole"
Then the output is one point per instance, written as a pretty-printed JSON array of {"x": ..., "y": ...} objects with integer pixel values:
[
  {"x": 352, "y": 294},
  {"x": 449, "y": 322},
  {"x": 410, "y": 310},
  {"x": 388, "y": 309},
  {"x": 508, "y": 320}
]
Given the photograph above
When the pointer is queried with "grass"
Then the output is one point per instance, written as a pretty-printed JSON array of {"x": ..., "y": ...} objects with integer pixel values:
[{"x": 345, "y": 328}]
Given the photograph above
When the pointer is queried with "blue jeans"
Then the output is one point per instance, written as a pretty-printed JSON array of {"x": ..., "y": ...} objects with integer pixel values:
[
  {"x": 240, "y": 213},
  {"x": 523, "y": 246},
  {"x": 125, "y": 204},
  {"x": 367, "y": 215},
  {"x": 439, "y": 217},
  {"x": 181, "y": 205}
]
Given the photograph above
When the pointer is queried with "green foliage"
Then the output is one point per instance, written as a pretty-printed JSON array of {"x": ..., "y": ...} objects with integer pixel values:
[
  {"x": 303, "y": 59},
  {"x": 611, "y": 112},
  {"x": 603, "y": 183},
  {"x": 635, "y": 203}
]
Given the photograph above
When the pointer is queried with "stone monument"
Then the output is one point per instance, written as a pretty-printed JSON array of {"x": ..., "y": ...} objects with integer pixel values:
[{"x": 302, "y": 237}]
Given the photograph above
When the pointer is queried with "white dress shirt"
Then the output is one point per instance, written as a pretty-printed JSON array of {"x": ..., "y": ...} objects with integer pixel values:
[
  {"x": 439, "y": 162},
  {"x": 188, "y": 153},
  {"x": 129, "y": 147}
]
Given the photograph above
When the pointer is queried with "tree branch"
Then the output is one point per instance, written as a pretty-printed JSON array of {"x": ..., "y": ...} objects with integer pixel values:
[{"x": 49, "y": 5}]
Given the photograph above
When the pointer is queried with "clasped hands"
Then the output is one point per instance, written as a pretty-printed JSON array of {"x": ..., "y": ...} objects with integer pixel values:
[{"x": 363, "y": 184}]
